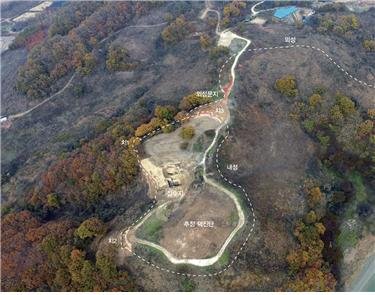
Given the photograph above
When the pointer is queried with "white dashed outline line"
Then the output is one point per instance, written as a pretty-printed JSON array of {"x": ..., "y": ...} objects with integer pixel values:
[
  {"x": 189, "y": 115},
  {"x": 226, "y": 180},
  {"x": 324, "y": 54}
]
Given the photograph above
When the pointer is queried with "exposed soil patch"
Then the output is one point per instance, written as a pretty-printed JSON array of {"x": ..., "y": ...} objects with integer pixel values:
[
  {"x": 165, "y": 148},
  {"x": 58, "y": 126},
  {"x": 199, "y": 227}
]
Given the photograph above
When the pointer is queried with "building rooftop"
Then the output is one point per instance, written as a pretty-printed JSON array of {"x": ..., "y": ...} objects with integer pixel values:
[{"x": 283, "y": 12}]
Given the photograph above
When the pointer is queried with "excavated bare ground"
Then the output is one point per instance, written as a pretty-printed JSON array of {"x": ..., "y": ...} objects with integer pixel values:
[{"x": 199, "y": 241}]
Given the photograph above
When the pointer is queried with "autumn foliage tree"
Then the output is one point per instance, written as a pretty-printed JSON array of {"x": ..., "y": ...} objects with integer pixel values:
[
  {"x": 343, "y": 25},
  {"x": 23, "y": 265},
  {"x": 369, "y": 45},
  {"x": 232, "y": 10},
  {"x": 147, "y": 128},
  {"x": 344, "y": 131},
  {"x": 87, "y": 64},
  {"x": 118, "y": 59},
  {"x": 70, "y": 47},
  {"x": 91, "y": 227},
  {"x": 315, "y": 100},
  {"x": 163, "y": 116},
  {"x": 187, "y": 132},
  {"x": 177, "y": 31},
  {"x": 287, "y": 85},
  {"x": 165, "y": 113},
  {"x": 345, "y": 104},
  {"x": 205, "y": 41},
  {"x": 218, "y": 52},
  {"x": 310, "y": 272},
  {"x": 42, "y": 256},
  {"x": 313, "y": 279},
  {"x": 73, "y": 271},
  {"x": 314, "y": 197},
  {"x": 70, "y": 16},
  {"x": 193, "y": 100},
  {"x": 29, "y": 37},
  {"x": 307, "y": 263},
  {"x": 97, "y": 169},
  {"x": 365, "y": 128}
]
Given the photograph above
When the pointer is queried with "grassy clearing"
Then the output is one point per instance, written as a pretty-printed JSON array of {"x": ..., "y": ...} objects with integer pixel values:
[
  {"x": 187, "y": 285},
  {"x": 224, "y": 259},
  {"x": 220, "y": 94},
  {"x": 198, "y": 145},
  {"x": 62, "y": 137},
  {"x": 330, "y": 175},
  {"x": 151, "y": 229},
  {"x": 360, "y": 195},
  {"x": 347, "y": 238},
  {"x": 198, "y": 174},
  {"x": 210, "y": 133},
  {"x": 360, "y": 190},
  {"x": 154, "y": 255},
  {"x": 239, "y": 195},
  {"x": 233, "y": 218}
]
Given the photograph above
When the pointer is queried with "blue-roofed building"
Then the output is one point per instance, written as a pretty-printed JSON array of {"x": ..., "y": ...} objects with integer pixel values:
[{"x": 283, "y": 13}]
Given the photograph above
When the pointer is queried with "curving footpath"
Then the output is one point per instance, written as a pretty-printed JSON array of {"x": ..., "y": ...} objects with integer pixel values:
[
  {"x": 44, "y": 101},
  {"x": 212, "y": 260},
  {"x": 254, "y": 12},
  {"x": 241, "y": 215},
  {"x": 21, "y": 114},
  {"x": 240, "y": 224}
]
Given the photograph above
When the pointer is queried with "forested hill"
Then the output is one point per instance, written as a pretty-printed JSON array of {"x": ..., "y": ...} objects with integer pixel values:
[
  {"x": 57, "y": 222},
  {"x": 68, "y": 44}
]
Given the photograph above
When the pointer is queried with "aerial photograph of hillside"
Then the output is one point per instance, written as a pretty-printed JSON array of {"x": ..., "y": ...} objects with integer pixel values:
[{"x": 187, "y": 146}]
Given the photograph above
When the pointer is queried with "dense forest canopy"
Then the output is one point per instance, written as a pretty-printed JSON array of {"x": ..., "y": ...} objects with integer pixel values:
[{"x": 58, "y": 222}]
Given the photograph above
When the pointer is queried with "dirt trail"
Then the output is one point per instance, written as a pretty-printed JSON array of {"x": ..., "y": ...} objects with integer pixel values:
[
  {"x": 254, "y": 12},
  {"x": 21, "y": 114},
  {"x": 241, "y": 215},
  {"x": 208, "y": 9},
  {"x": 44, "y": 101}
]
